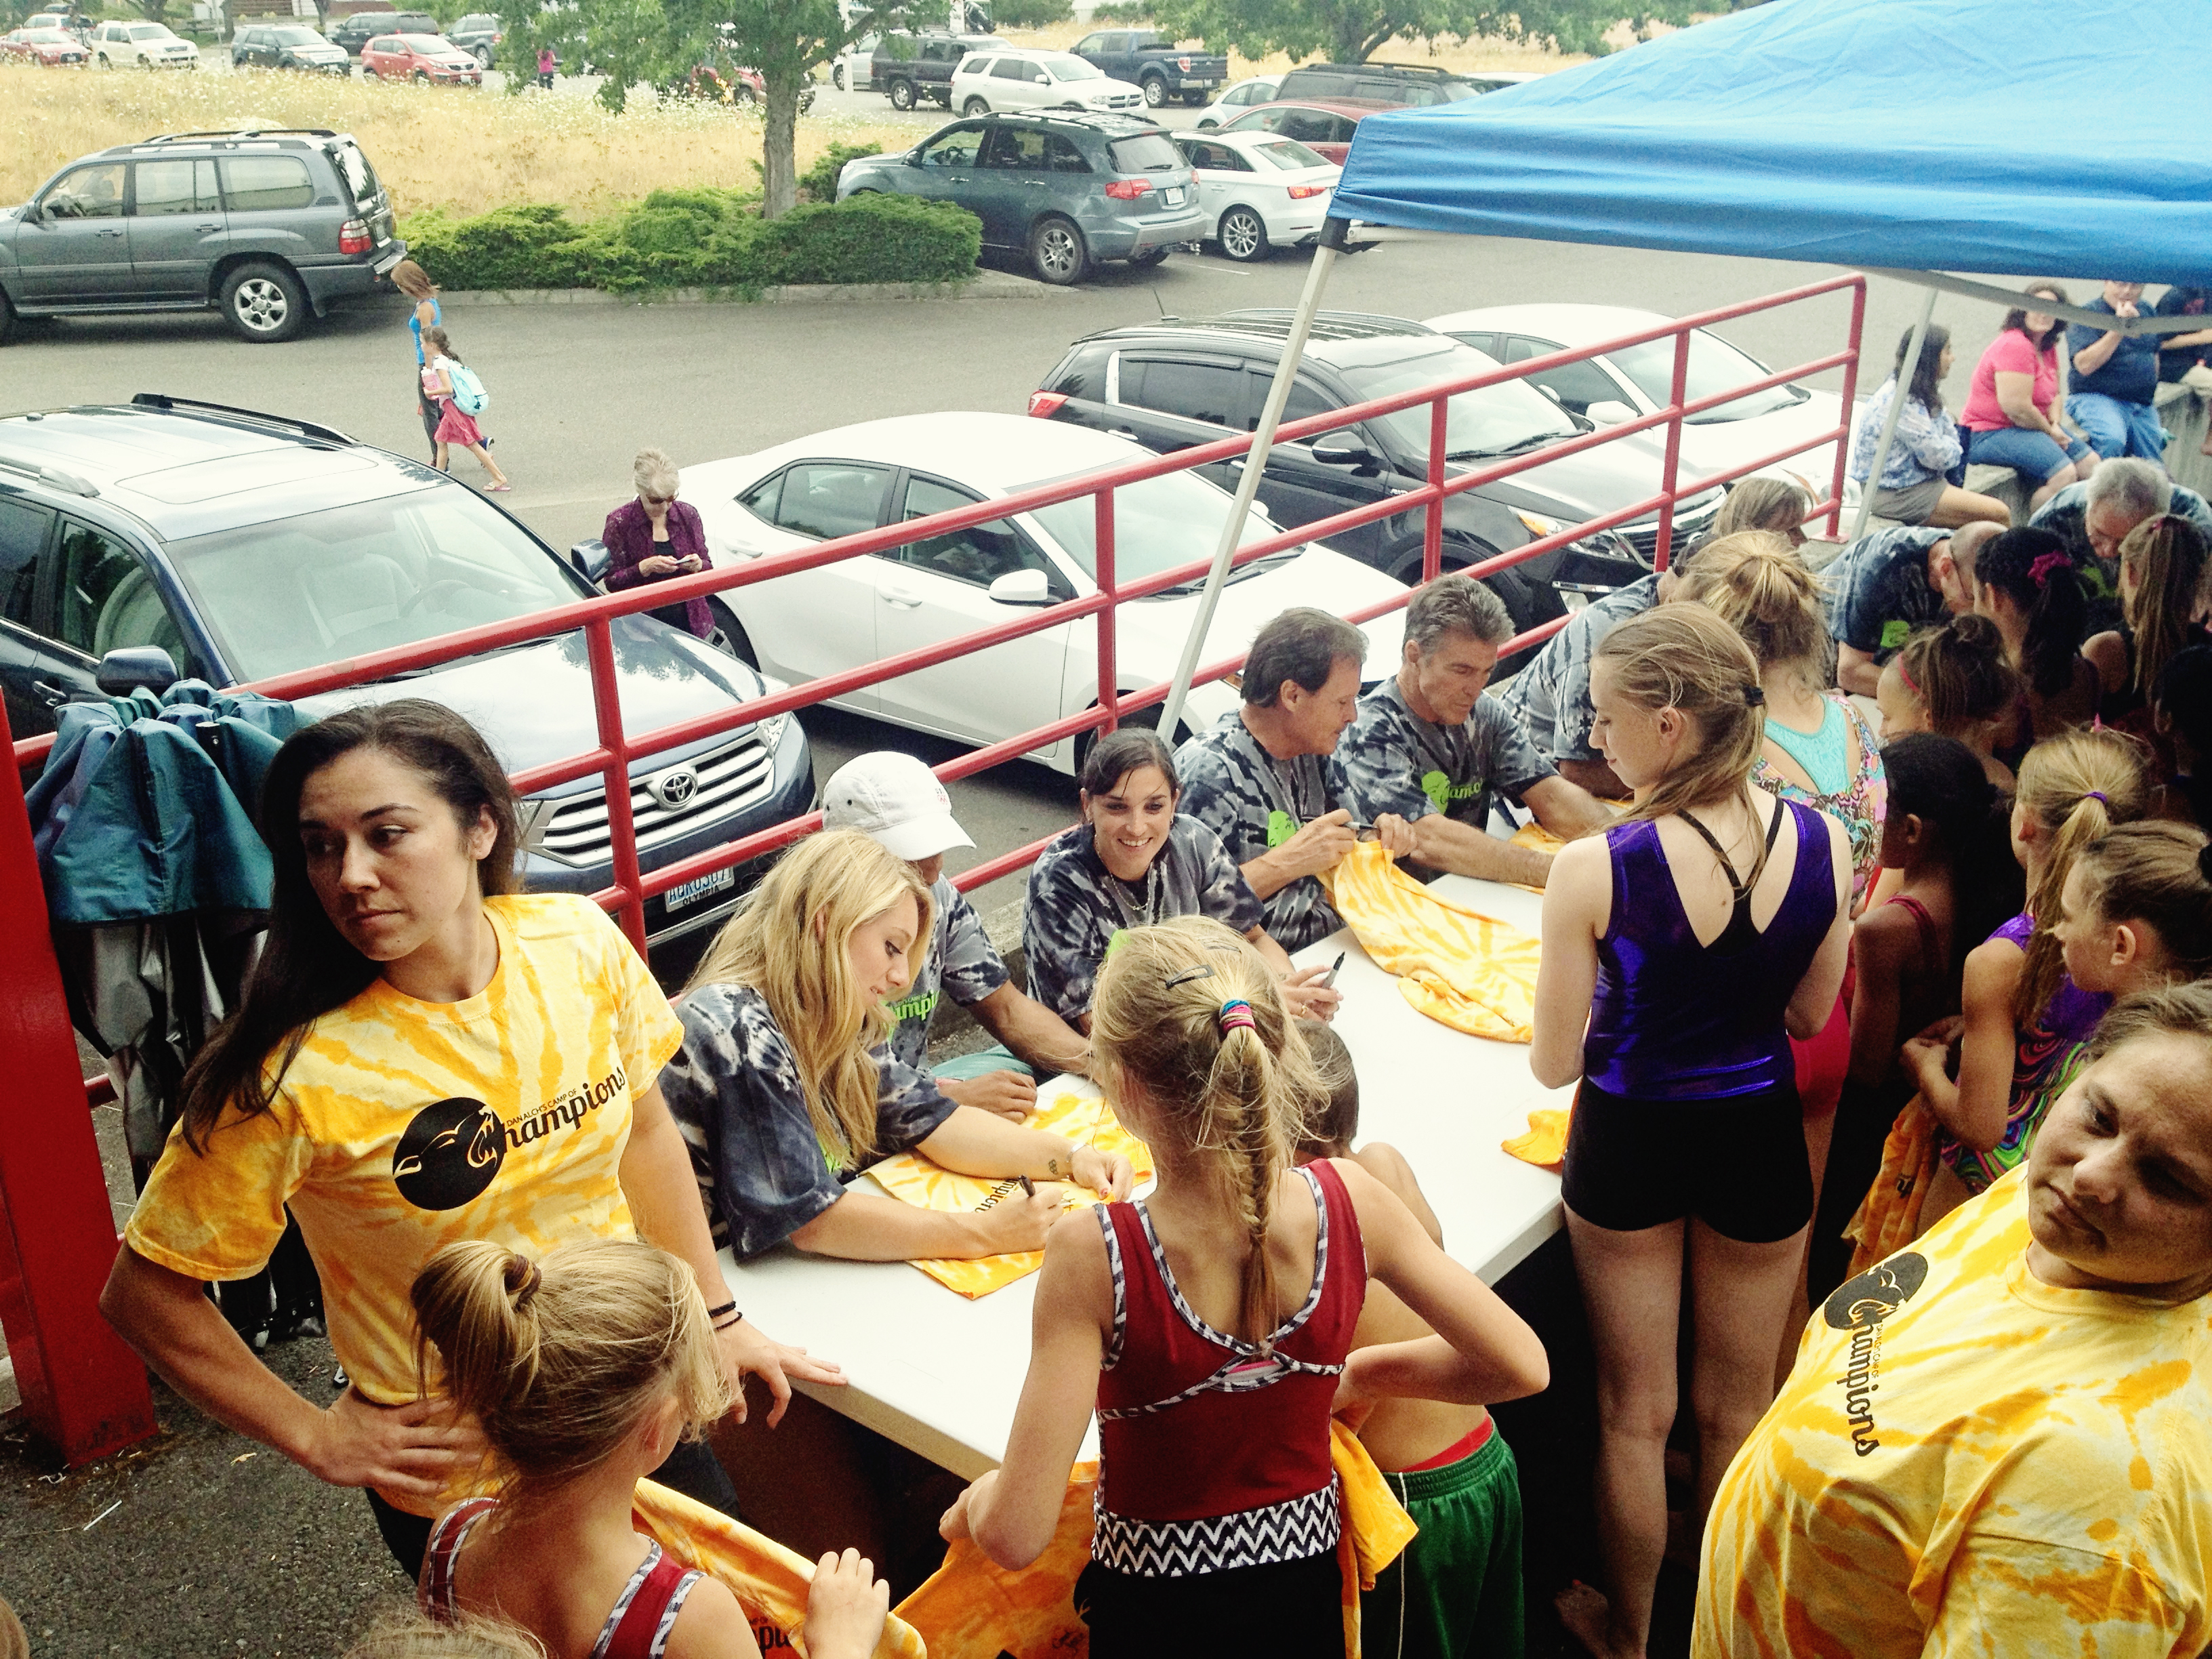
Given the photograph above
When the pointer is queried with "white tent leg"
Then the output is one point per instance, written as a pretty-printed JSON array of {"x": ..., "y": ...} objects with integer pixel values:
[
  {"x": 1905, "y": 373},
  {"x": 1263, "y": 439}
]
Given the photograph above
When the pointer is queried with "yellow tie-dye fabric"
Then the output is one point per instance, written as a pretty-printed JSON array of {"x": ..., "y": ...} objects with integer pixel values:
[
  {"x": 402, "y": 1126},
  {"x": 1456, "y": 965},
  {"x": 1086, "y": 1119},
  {"x": 1967, "y": 1460}
]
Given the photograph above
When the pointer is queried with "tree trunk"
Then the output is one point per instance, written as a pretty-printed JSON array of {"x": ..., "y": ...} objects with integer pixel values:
[{"x": 780, "y": 143}]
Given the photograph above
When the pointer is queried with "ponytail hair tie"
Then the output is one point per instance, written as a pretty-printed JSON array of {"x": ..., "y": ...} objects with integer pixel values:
[
  {"x": 2096, "y": 795},
  {"x": 522, "y": 1277},
  {"x": 1754, "y": 696},
  {"x": 2040, "y": 572},
  {"x": 1235, "y": 1013}
]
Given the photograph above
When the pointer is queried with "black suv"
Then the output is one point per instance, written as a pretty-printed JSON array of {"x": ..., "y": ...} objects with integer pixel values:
[
  {"x": 479, "y": 35},
  {"x": 287, "y": 45},
  {"x": 1383, "y": 83},
  {"x": 1174, "y": 384},
  {"x": 263, "y": 226},
  {"x": 357, "y": 31},
  {"x": 163, "y": 537},
  {"x": 909, "y": 68}
]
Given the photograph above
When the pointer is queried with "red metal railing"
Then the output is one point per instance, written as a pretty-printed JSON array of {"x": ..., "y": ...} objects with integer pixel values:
[{"x": 22, "y": 899}]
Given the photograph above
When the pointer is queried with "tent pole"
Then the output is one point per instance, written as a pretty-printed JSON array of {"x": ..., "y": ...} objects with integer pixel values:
[
  {"x": 1905, "y": 373},
  {"x": 1254, "y": 465}
]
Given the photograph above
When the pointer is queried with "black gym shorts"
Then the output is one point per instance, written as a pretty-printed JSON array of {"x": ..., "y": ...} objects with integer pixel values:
[{"x": 1738, "y": 1164}]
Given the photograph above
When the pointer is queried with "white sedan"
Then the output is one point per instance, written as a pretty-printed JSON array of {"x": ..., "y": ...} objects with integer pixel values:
[
  {"x": 1021, "y": 77},
  {"x": 1239, "y": 96},
  {"x": 813, "y": 622},
  {"x": 1260, "y": 190},
  {"x": 1622, "y": 385}
]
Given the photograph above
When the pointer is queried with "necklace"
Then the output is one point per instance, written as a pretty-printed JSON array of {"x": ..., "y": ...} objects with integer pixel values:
[{"x": 1133, "y": 915}]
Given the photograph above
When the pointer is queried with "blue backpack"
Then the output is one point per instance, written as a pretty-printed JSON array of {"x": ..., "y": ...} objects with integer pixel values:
[{"x": 469, "y": 394}]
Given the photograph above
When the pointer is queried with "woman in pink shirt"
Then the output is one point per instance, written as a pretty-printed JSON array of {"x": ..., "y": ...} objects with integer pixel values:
[{"x": 2012, "y": 416}]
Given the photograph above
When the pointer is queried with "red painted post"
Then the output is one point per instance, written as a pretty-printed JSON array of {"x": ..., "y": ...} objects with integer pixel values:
[
  {"x": 1850, "y": 391},
  {"x": 1669, "y": 477},
  {"x": 1432, "y": 520},
  {"x": 84, "y": 1390},
  {"x": 622, "y": 826},
  {"x": 1110, "y": 679}
]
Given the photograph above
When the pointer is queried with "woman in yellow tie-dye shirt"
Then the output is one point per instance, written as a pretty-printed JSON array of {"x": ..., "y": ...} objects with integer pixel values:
[
  {"x": 2000, "y": 1441},
  {"x": 422, "y": 1055}
]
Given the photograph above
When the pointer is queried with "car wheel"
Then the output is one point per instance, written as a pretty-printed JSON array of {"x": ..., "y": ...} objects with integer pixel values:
[
  {"x": 1146, "y": 719},
  {"x": 976, "y": 106},
  {"x": 1207, "y": 122},
  {"x": 265, "y": 303},
  {"x": 1243, "y": 235},
  {"x": 1057, "y": 252},
  {"x": 902, "y": 93},
  {"x": 1193, "y": 100},
  {"x": 422, "y": 78},
  {"x": 837, "y": 76},
  {"x": 1155, "y": 90},
  {"x": 1523, "y": 602},
  {"x": 1146, "y": 261},
  {"x": 729, "y": 635},
  {"x": 102, "y": 61},
  {"x": 483, "y": 55}
]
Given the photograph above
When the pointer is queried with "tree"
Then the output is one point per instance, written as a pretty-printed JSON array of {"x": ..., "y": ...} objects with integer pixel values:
[
  {"x": 1351, "y": 30},
  {"x": 784, "y": 40}
]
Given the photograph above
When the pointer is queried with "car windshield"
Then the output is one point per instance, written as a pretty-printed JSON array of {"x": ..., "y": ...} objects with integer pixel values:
[
  {"x": 426, "y": 43},
  {"x": 296, "y": 38},
  {"x": 1148, "y": 152},
  {"x": 1072, "y": 68},
  {"x": 150, "y": 32},
  {"x": 46, "y": 38},
  {"x": 1495, "y": 420},
  {"x": 1289, "y": 156},
  {"x": 1159, "y": 525},
  {"x": 1715, "y": 366},
  {"x": 350, "y": 579}
]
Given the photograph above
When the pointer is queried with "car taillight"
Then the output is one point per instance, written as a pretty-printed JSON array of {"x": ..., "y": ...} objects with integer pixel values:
[
  {"x": 1183, "y": 64},
  {"x": 1046, "y": 404},
  {"x": 1302, "y": 192},
  {"x": 353, "y": 237},
  {"x": 1127, "y": 189}
]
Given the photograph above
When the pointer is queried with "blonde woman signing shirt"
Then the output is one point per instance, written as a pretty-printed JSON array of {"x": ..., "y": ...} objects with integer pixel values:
[{"x": 423, "y": 1057}]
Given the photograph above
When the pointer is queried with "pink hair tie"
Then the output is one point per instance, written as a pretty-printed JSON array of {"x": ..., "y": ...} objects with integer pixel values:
[
  {"x": 2040, "y": 572},
  {"x": 1237, "y": 1013}
]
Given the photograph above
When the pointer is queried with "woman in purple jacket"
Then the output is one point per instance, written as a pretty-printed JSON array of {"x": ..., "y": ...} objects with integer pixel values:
[{"x": 656, "y": 537}]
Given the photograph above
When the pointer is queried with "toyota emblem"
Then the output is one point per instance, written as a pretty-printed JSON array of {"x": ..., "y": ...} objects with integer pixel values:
[{"x": 673, "y": 788}]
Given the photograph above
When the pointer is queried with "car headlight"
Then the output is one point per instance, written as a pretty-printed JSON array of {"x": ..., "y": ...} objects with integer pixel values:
[
  {"x": 770, "y": 731},
  {"x": 1537, "y": 525}
]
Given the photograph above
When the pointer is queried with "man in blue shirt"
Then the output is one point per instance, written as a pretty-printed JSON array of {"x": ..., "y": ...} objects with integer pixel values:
[{"x": 2115, "y": 378}]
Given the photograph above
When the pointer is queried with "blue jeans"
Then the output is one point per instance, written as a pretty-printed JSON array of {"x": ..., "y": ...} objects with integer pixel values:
[
  {"x": 2032, "y": 454},
  {"x": 2116, "y": 428}
]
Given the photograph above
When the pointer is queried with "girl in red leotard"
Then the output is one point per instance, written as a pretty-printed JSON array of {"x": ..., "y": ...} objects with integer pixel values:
[
  {"x": 1209, "y": 1325},
  {"x": 585, "y": 1369}
]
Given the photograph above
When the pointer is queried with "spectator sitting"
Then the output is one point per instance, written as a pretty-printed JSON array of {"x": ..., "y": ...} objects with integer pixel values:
[
  {"x": 1916, "y": 485},
  {"x": 1429, "y": 746},
  {"x": 898, "y": 802},
  {"x": 2162, "y": 568},
  {"x": 2114, "y": 381},
  {"x": 2180, "y": 353},
  {"x": 1549, "y": 697},
  {"x": 2093, "y": 519},
  {"x": 1889, "y": 583},
  {"x": 2011, "y": 416},
  {"x": 1260, "y": 779},
  {"x": 2183, "y": 703},
  {"x": 657, "y": 537}
]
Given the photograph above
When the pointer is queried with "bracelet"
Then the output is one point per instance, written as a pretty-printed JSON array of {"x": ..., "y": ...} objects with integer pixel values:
[
  {"x": 734, "y": 1319},
  {"x": 731, "y": 1306}
]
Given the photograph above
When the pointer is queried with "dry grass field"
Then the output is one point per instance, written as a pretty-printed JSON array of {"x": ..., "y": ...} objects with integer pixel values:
[
  {"x": 449, "y": 148},
  {"x": 1479, "y": 53}
]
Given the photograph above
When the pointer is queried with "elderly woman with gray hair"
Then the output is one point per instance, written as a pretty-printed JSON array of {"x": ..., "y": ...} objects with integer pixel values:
[{"x": 656, "y": 537}]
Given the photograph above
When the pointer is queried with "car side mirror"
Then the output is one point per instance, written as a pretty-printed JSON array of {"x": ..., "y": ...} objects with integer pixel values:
[
  {"x": 1342, "y": 449},
  {"x": 1609, "y": 412},
  {"x": 1042, "y": 80},
  {"x": 913, "y": 156},
  {"x": 591, "y": 559},
  {"x": 1022, "y": 587},
  {"x": 130, "y": 667}
]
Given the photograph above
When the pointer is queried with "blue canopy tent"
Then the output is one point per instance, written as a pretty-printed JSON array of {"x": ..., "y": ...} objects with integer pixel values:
[{"x": 1911, "y": 138}]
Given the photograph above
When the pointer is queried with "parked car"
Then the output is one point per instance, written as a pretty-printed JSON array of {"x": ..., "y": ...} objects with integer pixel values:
[
  {"x": 264, "y": 226},
  {"x": 1394, "y": 84},
  {"x": 1254, "y": 89},
  {"x": 142, "y": 45},
  {"x": 1326, "y": 129},
  {"x": 1016, "y": 77},
  {"x": 839, "y": 615},
  {"x": 1155, "y": 63},
  {"x": 479, "y": 35},
  {"x": 1174, "y": 384},
  {"x": 47, "y": 47},
  {"x": 1067, "y": 189},
  {"x": 57, "y": 20},
  {"x": 167, "y": 537},
  {"x": 1260, "y": 191},
  {"x": 357, "y": 31},
  {"x": 911, "y": 67},
  {"x": 420, "y": 57},
  {"x": 287, "y": 45},
  {"x": 1622, "y": 385},
  {"x": 853, "y": 69}
]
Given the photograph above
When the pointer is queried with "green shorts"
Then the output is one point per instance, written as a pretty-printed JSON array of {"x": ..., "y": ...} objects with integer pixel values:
[
  {"x": 1455, "y": 1592},
  {"x": 983, "y": 1061}
]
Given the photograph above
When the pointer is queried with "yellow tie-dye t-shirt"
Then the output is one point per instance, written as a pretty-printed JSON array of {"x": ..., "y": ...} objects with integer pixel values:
[
  {"x": 402, "y": 1126},
  {"x": 1968, "y": 1461}
]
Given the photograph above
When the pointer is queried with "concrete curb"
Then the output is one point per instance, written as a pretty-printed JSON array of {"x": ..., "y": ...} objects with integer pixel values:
[{"x": 984, "y": 285}]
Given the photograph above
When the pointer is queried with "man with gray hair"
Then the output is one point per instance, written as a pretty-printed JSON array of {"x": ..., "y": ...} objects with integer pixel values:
[
  {"x": 1260, "y": 779},
  {"x": 1429, "y": 746},
  {"x": 2094, "y": 517}
]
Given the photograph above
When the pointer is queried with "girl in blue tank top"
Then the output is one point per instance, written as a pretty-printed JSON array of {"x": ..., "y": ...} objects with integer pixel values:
[{"x": 1682, "y": 950}]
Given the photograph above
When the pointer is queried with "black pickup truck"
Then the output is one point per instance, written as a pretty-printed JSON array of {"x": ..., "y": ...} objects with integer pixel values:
[
  {"x": 912, "y": 67},
  {"x": 1161, "y": 68}
]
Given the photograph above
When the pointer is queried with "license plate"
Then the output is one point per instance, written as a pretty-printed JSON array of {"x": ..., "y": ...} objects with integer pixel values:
[
  {"x": 1199, "y": 81},
  {"x": 1174, "y": 194},
  {"x": 691, "y": 892}
]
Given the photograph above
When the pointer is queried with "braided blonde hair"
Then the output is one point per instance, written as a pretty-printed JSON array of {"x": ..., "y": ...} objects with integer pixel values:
[{"x": 1165, "y": 1018}]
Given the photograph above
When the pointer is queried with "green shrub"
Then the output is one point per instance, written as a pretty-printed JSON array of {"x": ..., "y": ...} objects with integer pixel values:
[
  {"x": 819, "y": 182},
  {"x": 1134, "y": 11},
  {"x": 534, "y": 245},
  {"x": 1031, "y": 14}
]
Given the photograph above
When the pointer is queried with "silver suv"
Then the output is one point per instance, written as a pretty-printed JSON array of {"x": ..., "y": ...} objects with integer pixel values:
[{"x": 265, "y": 226}]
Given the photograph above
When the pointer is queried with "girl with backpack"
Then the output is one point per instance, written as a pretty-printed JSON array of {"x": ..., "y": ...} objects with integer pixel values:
[{"x": 447, "y": 381}]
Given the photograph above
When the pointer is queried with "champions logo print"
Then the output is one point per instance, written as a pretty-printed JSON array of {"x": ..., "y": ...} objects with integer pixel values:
[
  {"x": 1443, "y": 792},
  {"x": 1859, "y": 1306},
  {"x": 451, "y": 1150}
]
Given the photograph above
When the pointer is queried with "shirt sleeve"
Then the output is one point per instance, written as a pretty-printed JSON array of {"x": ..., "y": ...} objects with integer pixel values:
[
  {"x": 972, "y": 969},
  {"x": 909, "y": 1105},
  {"x": 2012, "y": 352},
  {"x": 622, "y": 562},
  {"x": 1210, "y": 794},
  {"x": 1377, "y": 772},
  {"x": 215, "y": 1215},
  {"x": 1934, "y": 439},
  {"x": 1223, "y": 893},
  {"x": 1510, "y": 761},
  {"x": 1860, "y": 600},
  {"x": 734, "y": 1089},
  {"x": 2048, "y": 1599},
  {"x": 1062, "y": 940}
]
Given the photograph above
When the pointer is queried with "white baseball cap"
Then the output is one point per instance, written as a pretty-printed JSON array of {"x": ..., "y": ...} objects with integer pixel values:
[{"x": 897, "y": 801}]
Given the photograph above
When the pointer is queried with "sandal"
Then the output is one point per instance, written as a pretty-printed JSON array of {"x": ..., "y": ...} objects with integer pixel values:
[{"x": 494, "y": 490}]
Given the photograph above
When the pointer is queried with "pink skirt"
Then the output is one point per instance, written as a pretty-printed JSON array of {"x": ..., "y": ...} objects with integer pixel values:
[{"x": 454, "y": 426}]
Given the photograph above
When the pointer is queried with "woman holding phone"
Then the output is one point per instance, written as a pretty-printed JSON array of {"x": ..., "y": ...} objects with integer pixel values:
[{"x": 656, "y": 537}]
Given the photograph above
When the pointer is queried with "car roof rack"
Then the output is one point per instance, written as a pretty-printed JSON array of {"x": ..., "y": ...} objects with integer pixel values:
[
  {"x": 1275, "y": 323},
  {"x": 1426, "y": 71},
  {"x": 50, "y": 475},
  {"x": 167, "y": 405},
  {"x": 241, "y": 132}
]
